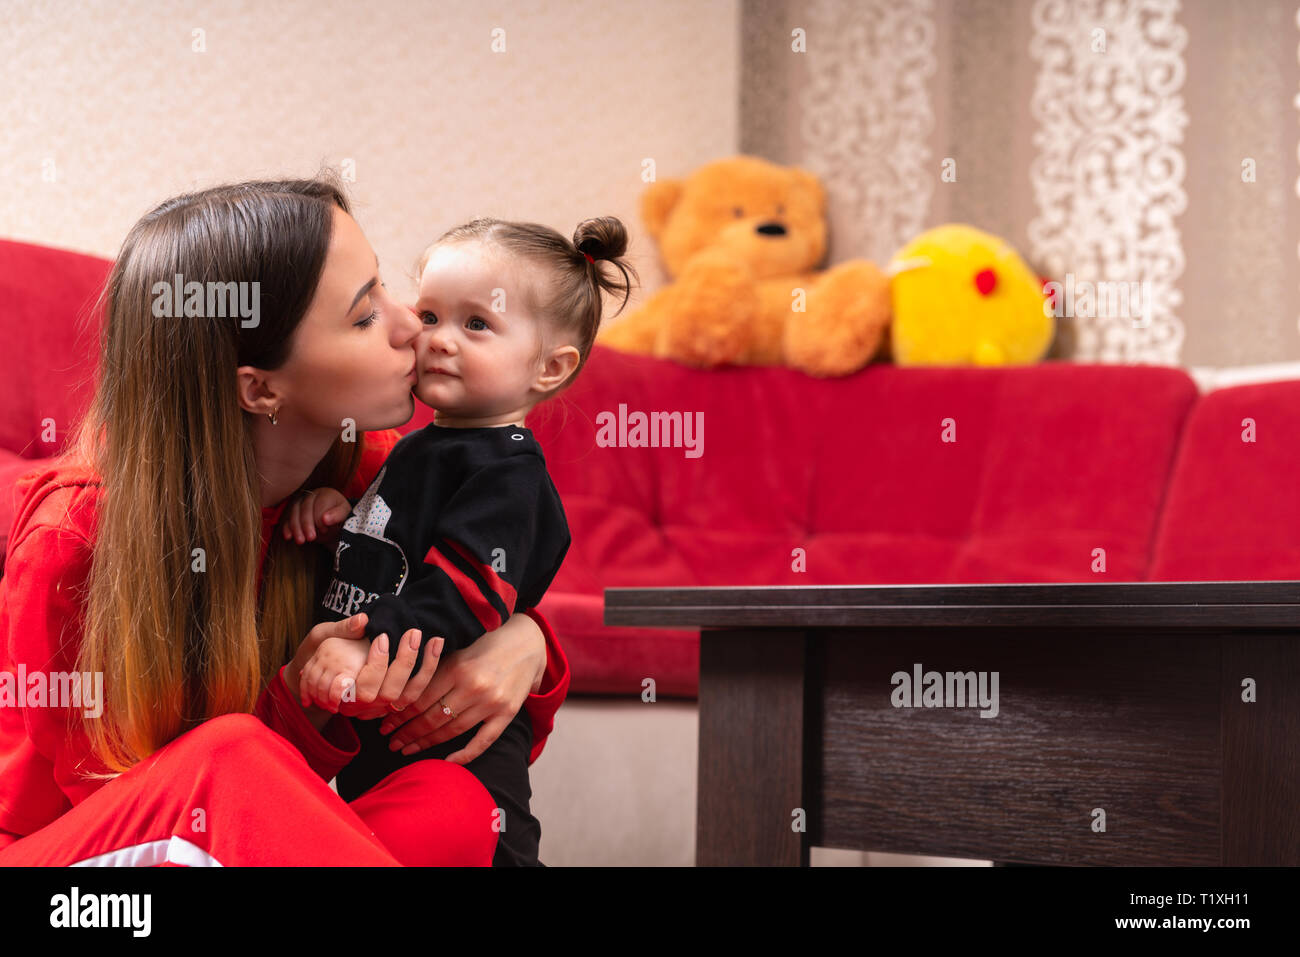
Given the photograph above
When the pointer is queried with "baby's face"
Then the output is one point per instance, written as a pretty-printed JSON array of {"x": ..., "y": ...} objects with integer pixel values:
[{"x": 474, "y": 355}]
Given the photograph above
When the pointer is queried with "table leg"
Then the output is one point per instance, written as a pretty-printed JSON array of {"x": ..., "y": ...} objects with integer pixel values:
[
  {"x": 751, "y": 807},
  {"x": 1261, "y": 752}
]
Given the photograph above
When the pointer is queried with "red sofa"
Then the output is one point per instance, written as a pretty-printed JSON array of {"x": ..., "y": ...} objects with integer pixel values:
[
  {"x": 888, "y": 476},
  {"x": 51, "y": 334}
]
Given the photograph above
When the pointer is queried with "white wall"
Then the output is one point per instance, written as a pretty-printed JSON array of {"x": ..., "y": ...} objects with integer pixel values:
[{"x": 440, "y": 128}]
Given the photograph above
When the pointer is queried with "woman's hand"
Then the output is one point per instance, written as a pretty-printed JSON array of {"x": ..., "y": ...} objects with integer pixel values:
[
  {"x": 380, "y": 688},
  {"x": 486, "y": 682}
]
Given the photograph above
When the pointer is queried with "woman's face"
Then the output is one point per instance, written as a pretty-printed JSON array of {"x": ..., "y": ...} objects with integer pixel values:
[{"x": 353, "y": 354}]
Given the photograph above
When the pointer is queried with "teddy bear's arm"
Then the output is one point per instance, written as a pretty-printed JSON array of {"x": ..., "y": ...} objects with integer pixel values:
[{"x": 848, "y": 313}]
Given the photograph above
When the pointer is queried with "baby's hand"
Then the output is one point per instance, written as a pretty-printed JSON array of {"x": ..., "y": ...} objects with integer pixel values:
[
  {"x": 316, "y": 516},
  {"x": 332, "y": 670}
]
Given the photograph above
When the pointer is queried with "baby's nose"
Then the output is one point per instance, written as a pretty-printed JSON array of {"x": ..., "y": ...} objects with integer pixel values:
[{"x": 440, "y": 341}]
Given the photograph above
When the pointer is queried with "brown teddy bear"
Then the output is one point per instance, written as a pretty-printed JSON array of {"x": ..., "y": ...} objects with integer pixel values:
[{"x": 742, "y": 237}]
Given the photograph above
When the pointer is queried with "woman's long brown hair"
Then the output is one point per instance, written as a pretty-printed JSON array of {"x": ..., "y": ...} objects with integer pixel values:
[{"x": 172, "y": 617}]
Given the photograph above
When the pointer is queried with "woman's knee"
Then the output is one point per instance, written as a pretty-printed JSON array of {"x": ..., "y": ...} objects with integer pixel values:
[
  {"x": 229, "y": 737},
  {"x": 432, "y": 813}
]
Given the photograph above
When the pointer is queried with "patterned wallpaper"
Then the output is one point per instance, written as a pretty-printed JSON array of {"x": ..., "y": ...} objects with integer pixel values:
[
  {"x": 1132, "y": 141},
  {"x": 110, "y": 107},
  {"x": 1147, "y": 142}
]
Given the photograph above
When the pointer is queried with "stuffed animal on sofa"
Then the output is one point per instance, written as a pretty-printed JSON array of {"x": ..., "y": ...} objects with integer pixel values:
[
  {"x": 741, "y": 238},
  {"x": 964, "y": 297}
]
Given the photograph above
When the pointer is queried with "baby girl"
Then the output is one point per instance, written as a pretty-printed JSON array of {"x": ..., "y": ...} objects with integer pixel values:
[{"x": 462, "y": 525}]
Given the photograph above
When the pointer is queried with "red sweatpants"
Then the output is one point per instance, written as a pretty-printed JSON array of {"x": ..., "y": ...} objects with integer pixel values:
[{"x": 233, "y": 792}]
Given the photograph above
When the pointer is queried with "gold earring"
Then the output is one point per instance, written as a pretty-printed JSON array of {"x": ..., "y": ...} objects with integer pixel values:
[{"x": 271, "y": 416}]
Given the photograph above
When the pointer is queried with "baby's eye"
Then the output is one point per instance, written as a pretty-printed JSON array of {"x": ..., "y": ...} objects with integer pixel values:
[
  {"x": 428, "y": 318},
  {"x": 478, "y": 319}
]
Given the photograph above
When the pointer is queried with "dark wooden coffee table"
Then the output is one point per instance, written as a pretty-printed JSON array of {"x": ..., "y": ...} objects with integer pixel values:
[{"x": 1118, "y": 705}]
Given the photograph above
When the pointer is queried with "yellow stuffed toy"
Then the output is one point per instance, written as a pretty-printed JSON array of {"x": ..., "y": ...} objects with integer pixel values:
[
  {"x": 742, "y": 237},
  {"x": 962, "y": 296}
]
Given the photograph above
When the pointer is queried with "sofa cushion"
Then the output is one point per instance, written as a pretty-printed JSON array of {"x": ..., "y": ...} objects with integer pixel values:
[
  {"x": 51, "y": 334},
  {"x": 1231, "y": 511},
  {"x": 1050, "y": 462}
]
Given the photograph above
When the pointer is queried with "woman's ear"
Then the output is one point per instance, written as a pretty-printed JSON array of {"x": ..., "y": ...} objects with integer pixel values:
[{"x": 254, "y": 391}]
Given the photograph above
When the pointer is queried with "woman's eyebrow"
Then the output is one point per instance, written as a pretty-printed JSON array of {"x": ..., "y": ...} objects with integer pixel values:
[
  {"x": 367, "y": 287},
  {"x": 361, "y": 292}
]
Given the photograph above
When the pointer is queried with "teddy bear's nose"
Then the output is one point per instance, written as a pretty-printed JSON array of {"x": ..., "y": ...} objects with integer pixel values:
[{"x": 771, "y": 229}]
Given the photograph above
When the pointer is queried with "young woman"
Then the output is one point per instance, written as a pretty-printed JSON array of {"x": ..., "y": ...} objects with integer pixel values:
[{"x": 150, "y": 555}]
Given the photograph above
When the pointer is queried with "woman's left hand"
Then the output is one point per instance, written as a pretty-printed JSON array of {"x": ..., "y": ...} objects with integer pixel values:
[{"x": 486, "y": 682}]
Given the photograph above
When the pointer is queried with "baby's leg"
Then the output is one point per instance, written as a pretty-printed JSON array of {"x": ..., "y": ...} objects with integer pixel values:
[{"x": 502, "y": 769}]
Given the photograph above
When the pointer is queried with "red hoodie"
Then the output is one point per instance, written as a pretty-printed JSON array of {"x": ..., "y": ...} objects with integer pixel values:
[{"x": 43, "y": 753}]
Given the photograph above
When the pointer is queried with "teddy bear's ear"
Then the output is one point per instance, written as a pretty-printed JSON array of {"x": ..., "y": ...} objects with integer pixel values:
[
  {"x": 657, "y": 202},
  {"x": 810, "y": 182}
]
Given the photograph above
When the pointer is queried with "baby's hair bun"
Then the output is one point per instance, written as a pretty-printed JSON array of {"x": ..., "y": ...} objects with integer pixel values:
[{"x": 604, "y": 237}]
